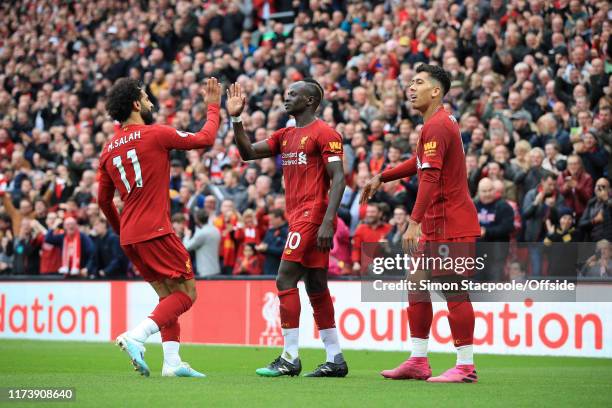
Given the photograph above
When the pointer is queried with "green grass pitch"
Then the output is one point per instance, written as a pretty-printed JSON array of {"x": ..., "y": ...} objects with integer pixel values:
[{"x": 102, "y": 376}]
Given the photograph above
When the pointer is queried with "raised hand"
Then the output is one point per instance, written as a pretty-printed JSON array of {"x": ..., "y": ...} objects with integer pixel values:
[
  {"x": 235, "y": 100},
  {"x": 212, "y": 92}
]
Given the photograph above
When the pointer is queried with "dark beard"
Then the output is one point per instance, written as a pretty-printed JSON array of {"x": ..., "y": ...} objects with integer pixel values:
[{"x": 147, "y": 117}]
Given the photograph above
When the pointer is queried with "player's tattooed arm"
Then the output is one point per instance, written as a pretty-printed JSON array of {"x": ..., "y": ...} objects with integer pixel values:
[
  {"x": 325, "y": 236},
  {"x": 236, "y": 101}
]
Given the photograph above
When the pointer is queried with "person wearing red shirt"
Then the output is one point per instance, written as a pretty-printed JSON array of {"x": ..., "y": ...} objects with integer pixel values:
[
  {"x": 248, "y": 262},
  {"x": 50, "y": 255},
  {"x": 136, "y": 162},
  {"x": 226, "y": 222},
  {"x": 443, "y": 212},
  {"x": 247, "y": 231},
  {"x": 372, "y": 230},
  {"x": 575, "y": 185},
  {"x": 311, "y": 154},
  {"x": 377, "y": 157}
]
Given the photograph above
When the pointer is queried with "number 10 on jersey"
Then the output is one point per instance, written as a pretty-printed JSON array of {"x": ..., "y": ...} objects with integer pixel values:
[{"x": 131, "y": 154}]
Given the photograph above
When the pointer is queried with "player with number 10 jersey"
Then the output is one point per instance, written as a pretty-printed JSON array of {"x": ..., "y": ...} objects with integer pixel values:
[{"x": 311, "y": 155}]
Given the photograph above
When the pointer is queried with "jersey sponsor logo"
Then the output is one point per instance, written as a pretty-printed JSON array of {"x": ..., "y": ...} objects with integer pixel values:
[
  {"x": 430, "y": 148},
  {"x": 335, "y": 147},
  {"x": 294, "y": 158},
  {"x": 183, "y": 134},
  {"x": 123, "y": 140}
]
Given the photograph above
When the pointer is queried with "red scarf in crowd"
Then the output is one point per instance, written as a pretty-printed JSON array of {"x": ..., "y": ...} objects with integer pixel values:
[{"x": 71, "y": 253}]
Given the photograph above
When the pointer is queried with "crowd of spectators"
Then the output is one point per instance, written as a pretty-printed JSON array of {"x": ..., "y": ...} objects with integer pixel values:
[{"x": 531, "y": 89}]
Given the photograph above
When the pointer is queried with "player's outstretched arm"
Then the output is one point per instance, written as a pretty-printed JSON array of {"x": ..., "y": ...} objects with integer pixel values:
[
  {"x": 175, "y": 139},
  {"x": 406, "y": 169},
  {"x": 325, "y": 236},
  {"x": 235, "y": 105}
]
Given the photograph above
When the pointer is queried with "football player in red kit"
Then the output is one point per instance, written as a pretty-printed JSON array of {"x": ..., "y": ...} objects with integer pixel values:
[
  {"x": 443, "y": 213},
  {"x": 135, "y": 161},
  {"x": 311, "y": 155}
]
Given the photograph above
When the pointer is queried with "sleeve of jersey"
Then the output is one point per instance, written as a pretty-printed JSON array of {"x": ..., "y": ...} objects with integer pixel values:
[
  {"x": 171, "y": 138},
  {"x": 330, "y": 144},
  {"x": 434, "y": 146},
  {"x": 106, "y": 192},
  {"x": 406, "y": 169},
  {"x": 274, "y": 141},
  {"x": 427, "y": 187}
]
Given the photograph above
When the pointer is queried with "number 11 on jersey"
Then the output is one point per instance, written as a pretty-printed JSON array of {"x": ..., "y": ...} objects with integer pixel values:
[{"x": 131, "y": 154}]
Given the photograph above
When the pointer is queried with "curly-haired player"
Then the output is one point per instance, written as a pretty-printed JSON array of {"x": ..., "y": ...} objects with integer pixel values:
[{"x": 135, "y": 161}]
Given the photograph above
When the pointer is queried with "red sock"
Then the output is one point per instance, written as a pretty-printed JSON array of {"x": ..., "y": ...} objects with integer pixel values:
[
  {"x": 171, "y": 331},
  {"x": 170, "y": 308},
  {"x": 461, "y": 322},
  {"x": 290, "y": 308},
  {"x": 420, "y": 315},
  {"x": 323, "y": 309}
]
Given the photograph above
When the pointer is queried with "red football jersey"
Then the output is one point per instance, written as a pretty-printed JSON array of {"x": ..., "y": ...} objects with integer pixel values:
[
  {"x": 136, "y": 162},
  {"x": 304, "y": 155},
  {"x": 452, "y": 213}
]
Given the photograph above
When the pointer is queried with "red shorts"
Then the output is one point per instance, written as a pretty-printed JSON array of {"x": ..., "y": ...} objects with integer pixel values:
[
  {"x": 301, "y": 246},
  {"x": 457, "y": 255},
  {"x": 160, "y": 258}
]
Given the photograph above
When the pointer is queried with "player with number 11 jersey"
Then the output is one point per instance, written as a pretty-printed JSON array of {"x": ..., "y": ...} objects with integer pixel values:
[{"x": 135, "y": 161}]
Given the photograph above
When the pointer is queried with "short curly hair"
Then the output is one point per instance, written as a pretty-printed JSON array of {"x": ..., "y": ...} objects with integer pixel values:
[
  {"x": 121, "y": 97},
  {"x": 437, "y": 73}
]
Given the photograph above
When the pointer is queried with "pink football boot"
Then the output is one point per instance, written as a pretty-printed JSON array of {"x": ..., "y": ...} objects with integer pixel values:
[
  {"x": 415, "y": 368},
  {"x": 459, "y": 374}
]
